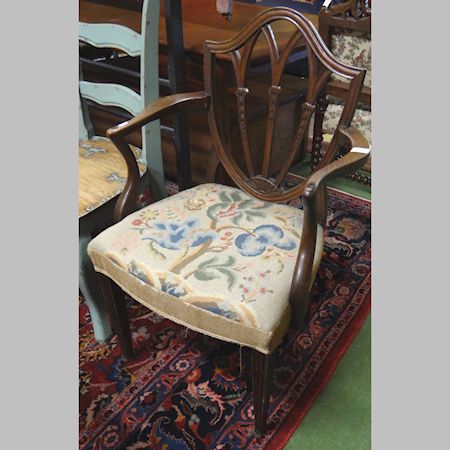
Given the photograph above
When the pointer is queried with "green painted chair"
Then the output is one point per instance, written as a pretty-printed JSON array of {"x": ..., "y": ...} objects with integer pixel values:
[{"x": 102, "y": 169}]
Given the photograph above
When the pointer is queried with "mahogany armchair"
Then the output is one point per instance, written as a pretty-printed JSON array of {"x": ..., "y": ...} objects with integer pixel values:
[{"x": 234, "y": 263}]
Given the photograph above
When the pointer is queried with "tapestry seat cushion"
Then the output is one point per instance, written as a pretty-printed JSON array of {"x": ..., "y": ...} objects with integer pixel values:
[
  {"x": 362, "y": 119},
  {"x": 212, "y": 258},
  {"x": 102, "y": 172},
  {"x": 353, "y": 47}
]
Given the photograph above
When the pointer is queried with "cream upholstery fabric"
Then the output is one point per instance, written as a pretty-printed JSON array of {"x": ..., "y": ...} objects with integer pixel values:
[
  {"x": 362, "y": 119},
  {"x": 102, "y": 172},
  {"x": 212, "y": 258},
  {"x": 354, "y": 48}
]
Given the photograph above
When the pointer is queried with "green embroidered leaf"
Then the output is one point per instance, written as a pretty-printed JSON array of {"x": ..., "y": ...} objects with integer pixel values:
[
  {"x": 251, "y": 212},
  {"x": 208, "y": 262},
  {"x": 230, "y": 276},
  {"x": 224, "y": 197},
  {"x": 236, "y": 196},
  {"x": 229, "y": 261},
  {"x": 237, "y": 219},
  {"x": 245, "y": 204},
  {"x": 205, "y": 275},
  {"x": 157, "y": 254},
  {"x": 281, "y": 267},
  {"x": 214, "y": 209}
]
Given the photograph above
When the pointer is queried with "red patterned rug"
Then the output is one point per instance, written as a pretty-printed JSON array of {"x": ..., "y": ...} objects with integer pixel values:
[{"x": 189, "y": 391}]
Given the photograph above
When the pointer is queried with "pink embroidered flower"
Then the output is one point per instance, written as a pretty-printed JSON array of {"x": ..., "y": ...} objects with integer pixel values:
[
  {"x": 126, "y": 242},
  {"x": 228, "y": 212}
]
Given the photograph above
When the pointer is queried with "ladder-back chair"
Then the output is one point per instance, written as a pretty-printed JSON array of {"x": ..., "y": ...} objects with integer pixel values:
[{"x": 102, "y": 170}]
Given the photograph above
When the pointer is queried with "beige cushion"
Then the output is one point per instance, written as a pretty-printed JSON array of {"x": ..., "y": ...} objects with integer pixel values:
[
  {"x": 102, "y": 172},
  {"x": 212, "y": 258}
]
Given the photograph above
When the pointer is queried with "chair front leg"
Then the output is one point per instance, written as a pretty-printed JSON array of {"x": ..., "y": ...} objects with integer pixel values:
[
  {"x": 118, "y": 313},
  {"x": 262, "y": 374}
]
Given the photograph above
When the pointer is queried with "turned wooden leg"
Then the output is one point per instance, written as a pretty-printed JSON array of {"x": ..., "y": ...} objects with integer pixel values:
[
  {"x": 117, "y": 309},
  {"x": 316, "y": 151},
  {"x": 262, "y": 372}
]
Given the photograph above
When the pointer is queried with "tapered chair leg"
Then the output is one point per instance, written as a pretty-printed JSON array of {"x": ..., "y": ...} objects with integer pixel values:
[
  {"x": 262, "y": 372},
  {"x": 118, "y": 313}
]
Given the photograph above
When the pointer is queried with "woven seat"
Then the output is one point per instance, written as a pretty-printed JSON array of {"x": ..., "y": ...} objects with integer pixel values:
[{"x": 102, "y": 172}]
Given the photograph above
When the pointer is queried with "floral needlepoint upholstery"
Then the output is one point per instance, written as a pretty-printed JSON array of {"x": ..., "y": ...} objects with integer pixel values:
[
  {"x": 362, "y": 119},
  {"x": 353, "y": 47},
  {"x": 212, "y": 258},
  {"x": 102, "y": 172}
]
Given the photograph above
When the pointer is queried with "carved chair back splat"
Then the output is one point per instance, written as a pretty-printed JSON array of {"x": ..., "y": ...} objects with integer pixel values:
[{"x": 321, "y": 65}]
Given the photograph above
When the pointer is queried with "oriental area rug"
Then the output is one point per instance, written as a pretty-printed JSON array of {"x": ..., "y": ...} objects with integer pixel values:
[{"x": 185, "y": 390}]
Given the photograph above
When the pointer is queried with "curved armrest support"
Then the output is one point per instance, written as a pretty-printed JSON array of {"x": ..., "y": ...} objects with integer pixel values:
[
  {"x": 357, "y": 156},
  {"x": 154, "y": 111},
  {"x": 314, "y": 208},
  {"x": 158, "y": 109}
]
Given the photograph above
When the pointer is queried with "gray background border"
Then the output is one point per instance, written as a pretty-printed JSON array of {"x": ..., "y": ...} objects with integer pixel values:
[
  {"x": 410, "y": 263},
  {"x": 39, "y": 225},
  {"x": 39, "y": 129}
]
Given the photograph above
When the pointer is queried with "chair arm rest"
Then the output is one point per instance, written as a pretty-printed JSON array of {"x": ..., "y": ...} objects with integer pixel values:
[
  {"x": 158, "y": 109},
  {"x": 359, "y": 153},
  {"x": 314, "y": 208}
]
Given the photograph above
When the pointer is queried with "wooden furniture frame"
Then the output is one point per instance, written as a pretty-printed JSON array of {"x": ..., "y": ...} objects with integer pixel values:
[
  {"x": 262, "y": 184},
  {"x": 350, "y": 15}
]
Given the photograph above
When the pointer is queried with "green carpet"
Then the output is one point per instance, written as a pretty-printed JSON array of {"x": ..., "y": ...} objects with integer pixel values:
[{"x": 340, "y": 417}]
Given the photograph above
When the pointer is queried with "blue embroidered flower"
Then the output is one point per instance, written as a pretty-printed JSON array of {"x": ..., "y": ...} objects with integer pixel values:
[
  {"x": 138, "y": 272},
  {"x": 255, "y": 243},
  {"x": 220, "y": 310},
  {"x": 176, "y": 235},
  {"x": 172, "y": 289}
]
